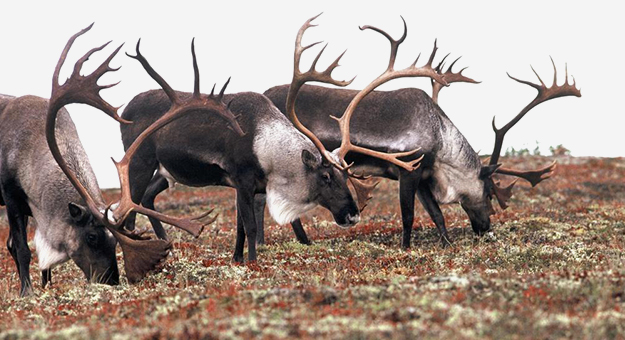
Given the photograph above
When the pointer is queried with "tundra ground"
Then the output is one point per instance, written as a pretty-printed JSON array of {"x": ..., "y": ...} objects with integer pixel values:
[{"x": 552, "y": 268}]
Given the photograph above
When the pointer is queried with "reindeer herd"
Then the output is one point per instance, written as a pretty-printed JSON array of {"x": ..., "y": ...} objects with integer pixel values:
[{"x": 281, "y": 149}]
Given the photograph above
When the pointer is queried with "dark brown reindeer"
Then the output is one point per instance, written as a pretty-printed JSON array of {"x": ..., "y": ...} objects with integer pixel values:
[
  {"x": 451, "y": 171},
  {"x": 53, "y": 182},
  {"x": 273, "y": 158},
  {"x": 198, "y": 153}
]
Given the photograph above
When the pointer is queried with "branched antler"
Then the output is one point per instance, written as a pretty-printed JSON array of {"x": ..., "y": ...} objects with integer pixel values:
[
  {"x": 533, "y": 176},
  {"x": 179, "y": 107},
  {"x": 449, "y": 75},
  {"x": 140, "y": 255},
  {"x": 363, "y": 189},
  {"x": 544, "y": 94},
  {"x": 337, "y": 157},
  {"x": 84, "y": 89},
  {"x": 79, "y": 89},
  {"x": 503, "y": 194}
]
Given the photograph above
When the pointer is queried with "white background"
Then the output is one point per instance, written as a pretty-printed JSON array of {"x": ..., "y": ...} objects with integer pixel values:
[{"x": 253, "y": 43}]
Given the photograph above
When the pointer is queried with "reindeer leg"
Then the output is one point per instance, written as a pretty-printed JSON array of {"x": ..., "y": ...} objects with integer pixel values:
[
  {"x": 408, "y": 182},
  {"x": 299, "y": 231},
  {"x": 260, "y": 200},
  {"x": 246, "y": 221},
  {"x": 246, "y": 226},
  {"x": 18, "y": 243},
  {"x": 431, "y": 206},
  {"x": 240, "y": 242},
  {"x": 140, "y": 172},
  {"x": 157, "y": 185},
  {"x": 46, "y": 277}
]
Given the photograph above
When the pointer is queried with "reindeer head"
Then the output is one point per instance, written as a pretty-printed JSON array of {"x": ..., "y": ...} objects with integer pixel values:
[
  {"x": 329, "y": 185},
  {"x": 480, "y": 208},
  {"x": 94, "y": 246}
]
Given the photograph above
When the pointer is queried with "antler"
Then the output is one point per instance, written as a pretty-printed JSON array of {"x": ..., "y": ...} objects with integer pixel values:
[
  {"x": 197, "y": 102},
  {"x": 533, "y": 176},
  {"x": 140, "y": 255},
  {"x": 300, "y": 78},
  {"x": 363, "y": 189},
  {"x": 449, "y": 75},
  {"x": 389, "y": 74},
  {"x": 503, "y": 194},
  {"x": 78, "y": 89},
  {"x": 544, "y": 94}
]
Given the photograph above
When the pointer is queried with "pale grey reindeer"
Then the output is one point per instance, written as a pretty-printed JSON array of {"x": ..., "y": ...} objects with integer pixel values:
[
  {"x": 32, "y": 184},
  {"x": 45, "y": 173},
  {"x": 400, "y": 120}
]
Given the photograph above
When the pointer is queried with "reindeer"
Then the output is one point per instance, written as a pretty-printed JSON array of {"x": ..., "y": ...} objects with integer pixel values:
[
  {"x": 45, "y": 174},
  {"x": 395, "y": 121},
  {"x": 277, "y": 158}
]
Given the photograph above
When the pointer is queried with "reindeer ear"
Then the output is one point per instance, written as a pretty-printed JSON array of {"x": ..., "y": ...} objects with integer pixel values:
[
  {"x": 309, "y": 160},
  {"x": 77, "y": 212},
  {"x": 488, "y": 170}
]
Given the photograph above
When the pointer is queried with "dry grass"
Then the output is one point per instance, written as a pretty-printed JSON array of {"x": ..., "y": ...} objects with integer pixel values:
[{"x": 552, "y": 268}]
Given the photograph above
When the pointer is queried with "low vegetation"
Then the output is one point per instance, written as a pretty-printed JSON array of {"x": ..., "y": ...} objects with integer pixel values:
[{"x": 553, "y": 267}]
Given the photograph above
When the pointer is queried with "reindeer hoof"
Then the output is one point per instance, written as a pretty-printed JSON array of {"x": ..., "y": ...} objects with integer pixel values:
[
  {"x": 237, "y": 259},
  {"x": 445, "y": 241}
]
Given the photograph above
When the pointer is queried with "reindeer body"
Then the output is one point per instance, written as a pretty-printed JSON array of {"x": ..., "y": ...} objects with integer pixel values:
[
  {"x": 197, "y": 150},
  {"x": 397, "y": 121},
  {"x": 32, "y": 184}
]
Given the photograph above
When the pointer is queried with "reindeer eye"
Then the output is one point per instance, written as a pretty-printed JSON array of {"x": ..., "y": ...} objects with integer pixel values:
[
  {"x": 326, "y": 177},
  {"x": 92, "y": 239}
]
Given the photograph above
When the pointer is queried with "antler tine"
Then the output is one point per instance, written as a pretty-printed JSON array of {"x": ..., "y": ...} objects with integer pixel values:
[
  {"x": 173, "y": 97},
  {"x": 544, "y": 94},
  {"x": 196, "y": 72},
  {"x": 503, "y": 194},
  {"x": 394, "y": 43},
  {"x": 201, "y": 216},
  {"x": 363, "y": 189},
  {"x": 441, "y": 65},
  {"x": 59, "y": 64},
  {"x": 450, "y": 77},
  {"x": 429, "y": 63},
  {"x": 555, "y": 72},
  {"x": 532, "y": 176},
  {"x": 81, "y": 61},
  {"x": 223, "y": 89},
  {"x": 299, "y": 49}
]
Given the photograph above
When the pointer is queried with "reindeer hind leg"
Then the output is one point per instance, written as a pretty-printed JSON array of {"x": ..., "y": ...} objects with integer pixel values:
[{"x": 17, "y": 242}]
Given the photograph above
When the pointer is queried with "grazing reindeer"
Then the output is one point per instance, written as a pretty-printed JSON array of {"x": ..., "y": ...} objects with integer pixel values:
[
  {"x": 32, "y": 184},
  {"x": 451, "y": 171},
  {"x": 296, "y": 173},
  {"x": 36, "y": 179}
]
